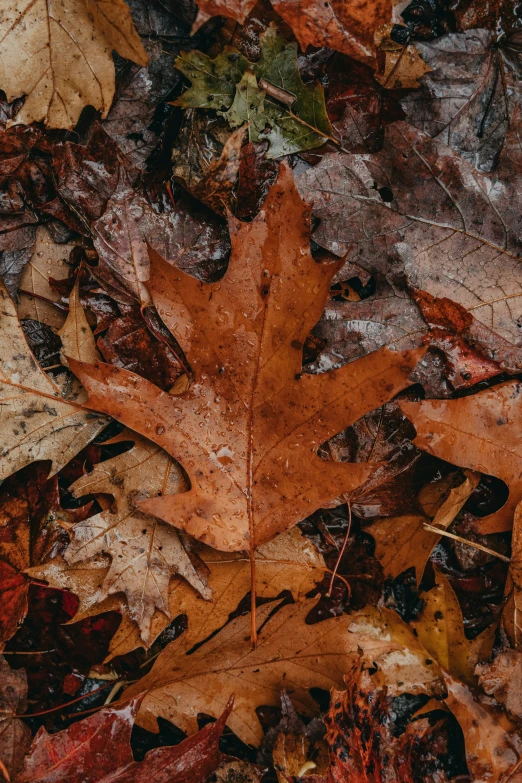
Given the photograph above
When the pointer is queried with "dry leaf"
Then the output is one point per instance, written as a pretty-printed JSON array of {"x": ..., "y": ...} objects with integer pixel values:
[
  {"x": 347, "y": 27},
  {"x": 492, "y": 751},
  {"x": 37, "y": 423},
  {"x": 512, "y": 614},
  {"x": 480, "y": 432},
  {"x": 67, "y": 56},
  {"x": 289, "y": 652},
  {"x": 422, "y": 217},
  {"x": 15, "y": 736},
  {"x": 403, "y": 542},
  {"x": 145, "y": 553},
  {"x": 76, "y": 334},
  {"x": 248, "y": 429},
  {"x": 440, "y": 628}
]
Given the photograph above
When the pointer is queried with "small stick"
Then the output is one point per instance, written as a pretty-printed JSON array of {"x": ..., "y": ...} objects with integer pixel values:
[
  {"x": 442, "y": 532},
  {"x": 277, "y": 92},
  {"x": 341, "y": 553}
]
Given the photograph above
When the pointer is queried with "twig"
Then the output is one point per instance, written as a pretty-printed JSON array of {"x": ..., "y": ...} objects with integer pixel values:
[
  {"x": 341, "y": 553},
  {"x": 67, "y": 703},
  {"x": 441, "y": 532}
]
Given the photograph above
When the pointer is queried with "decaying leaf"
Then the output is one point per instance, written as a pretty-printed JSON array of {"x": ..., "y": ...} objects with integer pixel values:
[
  {"x": 422, "y": 217},
  {"x": 80, "y": 754},
  {"x": 346, "y": 27},
  {"x": 492, "y": 747},
  {"x": 145, "y": 553},
  {"x": 403, "y": 65},
  {"x": 292, "y": 745},
  {"x": 15, "y": 736},
  {"x": 67, "y": 60},
  {"x": 480, "y": 432},
  {"x": 245, "y": 92},
  {"x": 236, "y": 9},
  {"x": 512, "y": 614},
  {"x": 440, "y": 629},
  {"x": 362, "y": 745},
  {"x": 288, "y": 651},
  {"x": 215, "y": 188},
  {"x": 76, "y": 334},
  {"x": 403, "y": 542},
  {"x": 468, "y": 98},
  {"x": 254, "y": 471},
  {"x": 502, "y": 678},
  {"x": 37, "y": 423}
]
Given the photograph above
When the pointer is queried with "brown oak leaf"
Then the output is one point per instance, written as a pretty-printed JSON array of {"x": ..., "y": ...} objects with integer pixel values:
[
  {"x": 248, "y": 429},
  {"x": 15, "y": 736}
]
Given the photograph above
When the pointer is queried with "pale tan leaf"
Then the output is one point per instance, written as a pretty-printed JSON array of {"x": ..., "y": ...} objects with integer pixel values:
[
  {"x": 145, "y": 552},
  {"x": 76, "y": 334},
  {"x": 58, "y": 53},
  {"x": 37, "y": 424}
]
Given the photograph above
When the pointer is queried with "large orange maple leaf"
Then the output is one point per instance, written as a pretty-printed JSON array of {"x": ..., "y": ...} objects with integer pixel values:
[{"x": 248, "y": 429}]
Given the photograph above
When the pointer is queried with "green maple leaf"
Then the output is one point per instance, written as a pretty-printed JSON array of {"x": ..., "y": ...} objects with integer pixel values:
[{"x": 230, "y": 85}]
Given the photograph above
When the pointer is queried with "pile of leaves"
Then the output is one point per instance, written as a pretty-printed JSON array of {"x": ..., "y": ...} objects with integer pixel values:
[{"x": 261, "y": 391}]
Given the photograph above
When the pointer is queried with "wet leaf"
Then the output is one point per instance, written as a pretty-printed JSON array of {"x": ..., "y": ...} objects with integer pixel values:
[
  {"x": 345, "y": 27},
  {"x": 145, "y": 553},
  {"x": 79, "y": 753},
  {"x": 288, "y": 650},
  {"x": 271, "y": 313},
  {"x": 232, "y": 85},
  {"x": 33, "y": 406},
  {"x": 15, "y": 736}
]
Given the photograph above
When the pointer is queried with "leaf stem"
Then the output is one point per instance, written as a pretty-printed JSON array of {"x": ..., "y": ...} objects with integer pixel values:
[{"x": 341, "y": 552}]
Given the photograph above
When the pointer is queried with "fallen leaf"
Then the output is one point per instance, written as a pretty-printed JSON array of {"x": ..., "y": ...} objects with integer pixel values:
[
  {"x": 289, "y": 651},
  {"x": 293, "y": 745},
  {"x": 265, "y": 422},
  {"x": 256, "y": 175},
  {"x": 76, "y": 334},
  {"x": 359, "y": 734},
  {"x": 289, "y": 562},
  {"x": 37, "y": 423},
  {"x": 16, "y": 248},
  {"x": 353, "y": 329},
  {"x": 79, "y": 753},
  {"x": 492, "y": 748},
  {"x": 68, "y": 62},
  {"x": 268, "y": 94},
  {"x": 512, "y": 611},
  {"x": 145, "y": 553},
  {"x": 422, "y": 217},
  {"x": 15, "y": 736},
  {"x": 502, "y": 679},
  {"x": 346, "y": 27},
  {"x": 468, "y": 98},
  {"x": 48, "y": 260},
  {"x": 13, "y": 596},
  {"x": 235, "y": 9},
  {"x": 402, "y": 64},
  {"x": 216, "y": 187},
  {"x": 129, "y": 223},
  {"x": 130, "y": 343},
  {"x": 403, "y": 542},
  {"x": 440, "y": 628},
  {"x": 479, "y": 432}
]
